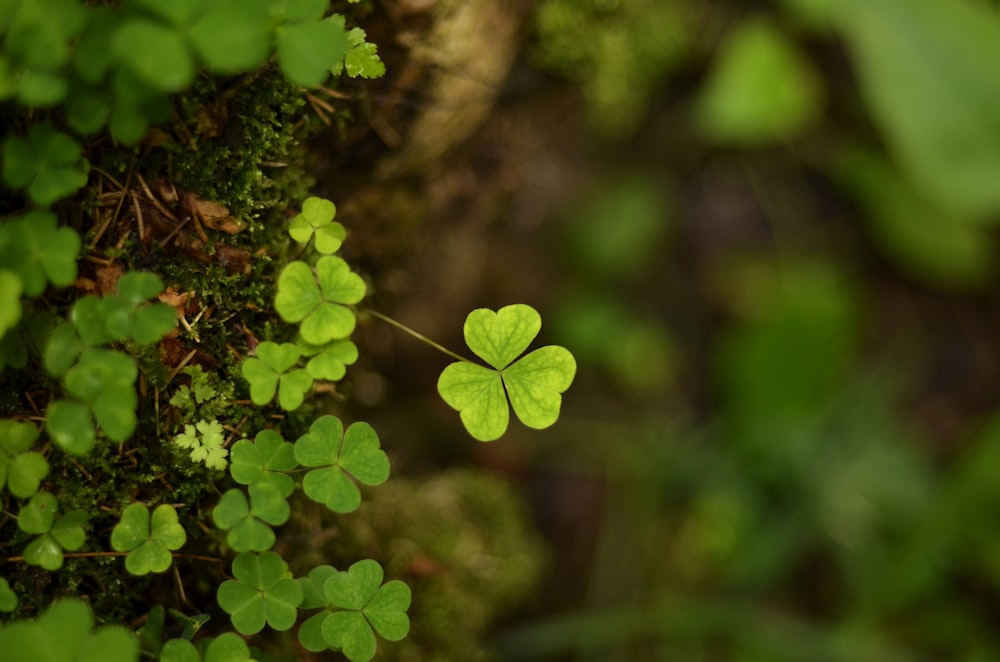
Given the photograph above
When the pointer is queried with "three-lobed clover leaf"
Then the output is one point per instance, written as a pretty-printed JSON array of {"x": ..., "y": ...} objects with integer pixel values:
[
  {"x": 227, "y": 647},
  {"x": 38, "y": 516},
  {"x": 248, "y": 524},
  {"x": 103, "y": 380},
  {"x": 534, "y": 383},
  {"x": 49, "y": 164},
  {"x": 21, "y": 469},
  {"x": 330, "y": 361},
  {"x": 260, "y": 593},
  {"x": 125, "y": 314},
  {"x": 264, "y": 460},
  {"x": 148, "y": 541},
  {"x": 355, "y": 603},
  {"x": 339, "y": 459},
  {"x": 38, "y": 251},
  {"x": 64, "y": 633},
  {"x": 316, "y": 220},
  {"x": 271, "y": 371},
  {"x": 319, "y": 300}
]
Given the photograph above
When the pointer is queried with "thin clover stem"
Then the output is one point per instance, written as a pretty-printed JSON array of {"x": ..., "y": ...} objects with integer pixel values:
[{"x": 415, "y": 334}]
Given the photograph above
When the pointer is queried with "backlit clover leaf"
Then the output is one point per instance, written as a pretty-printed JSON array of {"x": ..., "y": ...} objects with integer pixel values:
[
  {"x": 261, "y": 593},
  {"x": 64, "y": 633},
  {"x": 204, "y": 439},
  {"x": 534, "y": 383},
  {"x": 271, "y": 371},
  {"x": 319, "y": 301},
  {"x": 248, "y": 523},
  {"x": 316, "y": 220},
  {"x": 264, "y": 461},
  {"x": 148, "y": 541},
  {"x": 38, "y": 516},
  {"x": 330, "y": 361},
  {"x": 340, "y": 458},
  {"x": 21, "y": 469},
  {"x": 354, "y": 603}
]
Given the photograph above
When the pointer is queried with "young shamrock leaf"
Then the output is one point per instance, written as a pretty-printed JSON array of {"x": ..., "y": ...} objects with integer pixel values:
[
  {"x": 21, "y": 469},
  {"x": 319, "y": 300},
  {"x": 534, "y": 383},
  {"x": 357, "y": 602},
  {"x": 261, "y": 593},
  {"x": 227, "y": 647},
  {"x": 263, "y": 461},
  {"x": 38, "y": 516},
  {"x": 330, "y": 361},
  {"x": 63, "y": 633},
  {"x": 271, "y": 371},
  {"x": 49, "y": 164},
  {"x": 248, "y": 524},
  {"x": 316, "y": 220},
  {"x": 148, "y": 541},
  {"x": 39, "y": 251},
  {"x": 339, "y": 457}
]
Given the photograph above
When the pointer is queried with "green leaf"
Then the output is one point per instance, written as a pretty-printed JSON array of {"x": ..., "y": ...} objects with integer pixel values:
[
  {"x": 535, "y": 383},
  {"x": 148, "y": 541},
  {"x": 44, "y": 552},
  {"x": 316, "y": 220},
  {"x": 156, "y": 54},
  {"x": 69, "y": 424},
  {"x": 38, "y": 251},
  {"x": 68, "y": 530},
  {"x": 227, "y": 647},
  {"x": 248, "y": 523},
  {"x": 25, "y": 473},
  {"x": 330, "y": 361},
  {"x": 269, "y": 372},
  {"x": 49, "y": 164},
  {"x": 63, "y": 634},
  {"x": 339, "y": 459},
  {"x": 760, "y": 89},
  {"x": 62, "y": 350},
  {"x": 38, "y": 514},
  {"x": 179, "y": 650},
  {"x": 926, "y": 70},
  {"x": 362, "y": 57},
  {"x": 232, "y": 36},
  {"x": 10, "y": 300},
  {"x": 351, "y": 633},
  {"x": 262, "y": 460},
  {"x": 318, "y": 300},
  {"x": 261, "y": 593},
  {"x": 307, "y": 51},
  {"x": 386, "y": 611},
  {"x": 8, "y": 599},
  {"x": 312, "y": 587}
]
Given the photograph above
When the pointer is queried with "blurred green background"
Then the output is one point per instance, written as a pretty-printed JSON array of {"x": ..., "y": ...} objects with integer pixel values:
[{"x": 767, "y": 232}]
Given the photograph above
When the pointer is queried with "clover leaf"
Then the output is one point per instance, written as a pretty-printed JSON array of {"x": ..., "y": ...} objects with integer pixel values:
[
  {"x": 318, "y": 300},
  {"x": 105, "y": 380},
  {"x": 22, "y": 470},
  {"x": 260, "y": 593},
  {"x": 39, "y": 252},
  {"x": 307, "y": 50},
  {"x": 339, "y": 459},
  {"x": 148, "y": 541},
  {"x": 330, "y": 361},
  {"x": 49, "y": 164},
  {"x": 125, "y": 314},
  {"x": 355, "y": 602},
  {"x": 155, "y": 54},
  {"x": 316, "y": 220},
  {"x": 534, "y": 383},
  {"x": 71, "y": 426},
  {"x": 271, "y": 371},
  {"x": 248, "y": 524},
  {"x": 227, "y": 647},
  {"x": 10, "y": 300},
  {"x": 263, "y": 460},
  {"x": 63, "y": 633},
  {"x": 38, "y": 516}
]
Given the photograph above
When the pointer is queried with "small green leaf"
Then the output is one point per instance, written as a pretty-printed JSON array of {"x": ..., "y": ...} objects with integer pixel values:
[
  {"x": 25, "y": 473},
  {"x": 10, "y": 300},
  {"x": 38, "y": 514},
  {"x": 63, "y": 633},
  {"x": 262, "y": 460},
  {"x": 261, "y": 593},
  {"x": 339, "y": 459},
  {"x": 44, "y": 552},
  {"x": 39, "y": 251},
  {"x": 63, "y": 349},
  {"x": 316, "y": 220},
  {"x": 49, "y": 164},
  {"x": 69, "y": 424},
  {"x": 318, "y": 300},
  {"x": 535, "y": 383},
  {"x": 330, "y": 361},
  {"x": 148, "y": 541},
  {"x": 68, "y": 530},
  {"x": 232, "y": 36},
  {"x": 8, "y": 599},
  {"x": 307, "y": 51},
  {"x": 156, "y": 55},
  {"x": 227, "y": 647},
  {"x": 269, "y": 372},
  {"x": 351, "y": 633}
]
